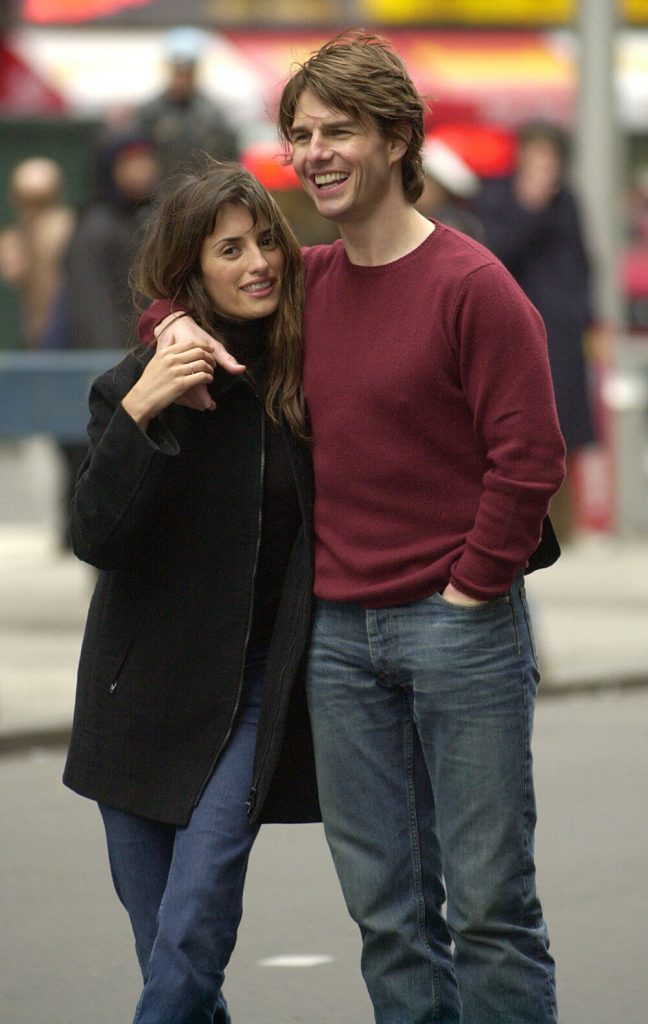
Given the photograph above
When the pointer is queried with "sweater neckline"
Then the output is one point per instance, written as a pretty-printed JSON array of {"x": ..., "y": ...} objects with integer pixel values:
[{"x": 394, "y": 265}]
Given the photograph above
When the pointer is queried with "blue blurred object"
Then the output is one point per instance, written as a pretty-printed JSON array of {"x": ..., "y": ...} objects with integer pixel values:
[{"x": 184, "y": 45}]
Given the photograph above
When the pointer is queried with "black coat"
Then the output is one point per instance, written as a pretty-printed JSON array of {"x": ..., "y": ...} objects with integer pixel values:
[{"x": 171, "y": 518}]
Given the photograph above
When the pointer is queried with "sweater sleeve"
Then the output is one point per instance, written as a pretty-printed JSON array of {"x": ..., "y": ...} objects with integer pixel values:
[
  {"x": 151, "y": 317},
  {"x": 118, "y": 484},
  {"x": 506, "y": 380}
]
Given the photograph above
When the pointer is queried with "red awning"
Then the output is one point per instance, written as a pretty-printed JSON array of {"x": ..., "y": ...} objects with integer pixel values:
[{"x": 22, "y": 91}]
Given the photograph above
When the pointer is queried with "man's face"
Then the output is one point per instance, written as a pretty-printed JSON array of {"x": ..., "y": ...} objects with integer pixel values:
[{"x": 345, "y": 167}]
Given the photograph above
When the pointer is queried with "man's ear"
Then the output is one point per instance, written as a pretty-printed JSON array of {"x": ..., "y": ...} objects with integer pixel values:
[{"x": 400, "y": 141}]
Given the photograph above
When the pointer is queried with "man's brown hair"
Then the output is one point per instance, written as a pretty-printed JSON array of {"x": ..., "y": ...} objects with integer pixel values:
[{"x": 360, "y": 74}]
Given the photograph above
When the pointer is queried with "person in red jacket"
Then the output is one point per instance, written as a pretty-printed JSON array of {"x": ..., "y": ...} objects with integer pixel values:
[{"x": 436, "y": 450}]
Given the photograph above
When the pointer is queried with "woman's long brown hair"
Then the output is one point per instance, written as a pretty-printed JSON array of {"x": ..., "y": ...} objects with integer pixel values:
[{"x": 168, "y": 267}]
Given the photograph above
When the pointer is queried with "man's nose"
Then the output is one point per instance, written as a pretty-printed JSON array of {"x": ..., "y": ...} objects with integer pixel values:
[{"x": 319, "y": 147}]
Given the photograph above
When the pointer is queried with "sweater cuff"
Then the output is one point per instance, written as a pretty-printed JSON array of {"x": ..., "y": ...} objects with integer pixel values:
[{"x": 157, "y": 311}]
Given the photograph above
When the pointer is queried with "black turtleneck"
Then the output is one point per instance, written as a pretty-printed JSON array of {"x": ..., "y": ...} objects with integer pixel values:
[{"x": 280, "y": 513}]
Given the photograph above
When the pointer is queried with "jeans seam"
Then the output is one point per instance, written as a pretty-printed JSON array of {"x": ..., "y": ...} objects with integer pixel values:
[{"x": 417, "y": 871}]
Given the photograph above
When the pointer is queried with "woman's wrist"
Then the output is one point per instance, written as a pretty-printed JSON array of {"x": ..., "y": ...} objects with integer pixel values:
[{"x": 137, "y": 409}]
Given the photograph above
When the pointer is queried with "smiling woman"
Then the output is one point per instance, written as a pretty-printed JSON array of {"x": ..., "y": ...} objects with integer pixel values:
[
  {"x": 190, "y": 724},
  {"x": 242, "y": 264}
]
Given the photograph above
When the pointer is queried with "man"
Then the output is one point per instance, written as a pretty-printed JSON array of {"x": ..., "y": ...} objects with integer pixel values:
[
  {"x": 436, "y": 449},
  {"x": 532, "y": 222},
  {"x": 182, "y": 119}
]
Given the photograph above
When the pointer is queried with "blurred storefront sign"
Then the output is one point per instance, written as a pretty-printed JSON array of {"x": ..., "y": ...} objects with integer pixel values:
[
  {"x": 493, "y": 77},
  {"x": 507, "y": 77},
  {"x": 479, "y": 76},
  {"x": 323, "y": 12}
]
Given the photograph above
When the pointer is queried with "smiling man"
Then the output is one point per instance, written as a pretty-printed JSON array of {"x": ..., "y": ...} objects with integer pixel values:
[{"x": 436, "y": 450}]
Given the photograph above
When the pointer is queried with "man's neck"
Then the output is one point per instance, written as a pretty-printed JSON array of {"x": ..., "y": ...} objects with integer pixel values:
[{"x": 387, "y": 236}]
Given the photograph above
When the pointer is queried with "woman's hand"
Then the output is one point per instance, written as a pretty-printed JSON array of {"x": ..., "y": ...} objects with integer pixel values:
[
  {"x": 174, "y": 370},
  {"x": 178, "y": 328}
]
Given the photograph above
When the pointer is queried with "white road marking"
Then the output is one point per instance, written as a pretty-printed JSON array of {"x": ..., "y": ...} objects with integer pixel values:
[{"x": 297, "y": 960}]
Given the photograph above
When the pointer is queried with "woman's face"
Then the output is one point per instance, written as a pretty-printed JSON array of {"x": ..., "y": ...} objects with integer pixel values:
[{"x": 242, "y": 265}]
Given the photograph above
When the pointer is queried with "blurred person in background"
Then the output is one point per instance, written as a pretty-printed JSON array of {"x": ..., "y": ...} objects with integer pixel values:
[
  {"x": 450, "y": 187},
  {"x": 33, "y": 247},
  {"x": 532, "y": 223},
  {"x": 105, "y": 240},
  {"x": 95, "y": 310},
  {"x": 190, "y": 704},
  {"x": 182, "y": 120}
]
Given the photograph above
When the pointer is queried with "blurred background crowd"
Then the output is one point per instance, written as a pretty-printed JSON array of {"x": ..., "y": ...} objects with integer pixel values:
[{"x": 100, "y": 100}]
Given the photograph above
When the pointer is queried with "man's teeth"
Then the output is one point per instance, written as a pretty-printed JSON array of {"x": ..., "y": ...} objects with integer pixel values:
[{"x": 330, "y": 179}]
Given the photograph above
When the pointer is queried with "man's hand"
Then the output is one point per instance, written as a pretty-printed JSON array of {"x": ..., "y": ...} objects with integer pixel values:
[
  {"x": 182, "y": 329},
  {"x": 454, "y": 596},
  {"x": 172, "y": 372}
]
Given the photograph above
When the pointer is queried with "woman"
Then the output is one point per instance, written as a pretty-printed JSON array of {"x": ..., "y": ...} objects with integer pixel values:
[{"x": 190, "y": 703}]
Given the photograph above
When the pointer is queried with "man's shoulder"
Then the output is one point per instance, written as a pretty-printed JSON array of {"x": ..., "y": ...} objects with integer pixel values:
[
  {"x": 456, "y": 258},
  {"x": 320, "y": 257}
]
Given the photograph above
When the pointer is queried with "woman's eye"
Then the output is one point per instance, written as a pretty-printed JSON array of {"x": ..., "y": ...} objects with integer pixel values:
[{"x": 268, "y": 242}]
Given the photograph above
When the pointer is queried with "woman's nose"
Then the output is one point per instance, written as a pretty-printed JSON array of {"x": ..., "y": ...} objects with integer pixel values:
[{"x": 258, "y": 259}]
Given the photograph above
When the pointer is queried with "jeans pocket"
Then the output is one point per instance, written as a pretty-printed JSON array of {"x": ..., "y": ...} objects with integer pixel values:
[{"x": 471, "y": 609}]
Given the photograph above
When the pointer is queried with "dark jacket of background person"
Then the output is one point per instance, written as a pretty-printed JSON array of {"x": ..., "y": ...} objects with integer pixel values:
[
  {"x": 174, "y": 532},
  {"x": 102, "y": 248},
  {"x": 545, "y": 252},
  {"x": 181, "y": 127}
]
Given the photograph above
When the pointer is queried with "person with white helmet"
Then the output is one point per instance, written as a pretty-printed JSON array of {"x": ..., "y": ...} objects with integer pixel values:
[{"x": 182, "y": 119}]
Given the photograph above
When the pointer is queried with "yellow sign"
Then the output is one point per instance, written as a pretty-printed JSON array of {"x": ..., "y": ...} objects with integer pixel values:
[
  {"x": 500, "y": 12},
  {"x": 491, "y": 12}
]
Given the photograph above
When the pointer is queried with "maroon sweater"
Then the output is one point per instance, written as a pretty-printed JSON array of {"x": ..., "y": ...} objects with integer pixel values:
[{"x": 436, "y": 444}]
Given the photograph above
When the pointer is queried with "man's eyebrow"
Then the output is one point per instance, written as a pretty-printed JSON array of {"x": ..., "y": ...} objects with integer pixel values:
[{"x": 326, "y": 125}]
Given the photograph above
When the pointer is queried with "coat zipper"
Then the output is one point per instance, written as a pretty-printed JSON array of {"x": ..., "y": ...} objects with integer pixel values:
[
  {"x": 248, "y": 629},
  {"x": 250, "y": 803}
]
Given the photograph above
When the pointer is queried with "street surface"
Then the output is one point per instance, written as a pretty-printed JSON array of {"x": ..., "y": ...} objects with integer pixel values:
[{"x": 66, "y": 954}]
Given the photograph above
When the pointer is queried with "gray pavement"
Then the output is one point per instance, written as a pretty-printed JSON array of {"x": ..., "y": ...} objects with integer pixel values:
[
  {"x": 590, "y": 609},
  {"x": 67, "y": 954}
]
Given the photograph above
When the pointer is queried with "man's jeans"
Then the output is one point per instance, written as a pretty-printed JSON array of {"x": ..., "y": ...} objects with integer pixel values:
[
  {"x": 183, "y": 887},
  {"x": 422, "y": 717}
]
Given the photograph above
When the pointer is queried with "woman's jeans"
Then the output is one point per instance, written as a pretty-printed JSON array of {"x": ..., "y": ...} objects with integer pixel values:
[
  {"x": 422, "y": 717},
  {"x": 183, "y": 887}
]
